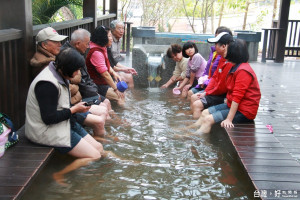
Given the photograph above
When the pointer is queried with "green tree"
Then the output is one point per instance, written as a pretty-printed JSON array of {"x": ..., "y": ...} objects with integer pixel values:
[
  {"x": 190, "y": 10},
  {"x": 157, "y": 12},
  {"x": 43, "y": 10},
  {"x": 198, "y": 9}
]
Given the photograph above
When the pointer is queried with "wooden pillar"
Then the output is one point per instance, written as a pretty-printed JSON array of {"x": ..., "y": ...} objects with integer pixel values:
[
  {"x": 17, "y": 14},
  {"x": 104, "y": 7},
  {"x": 90, "y": 10},
  {"x": 113, "y": 7},
  {"x": 283, "y": 25}
]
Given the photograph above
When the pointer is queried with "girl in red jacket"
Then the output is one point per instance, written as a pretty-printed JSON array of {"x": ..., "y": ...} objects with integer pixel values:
[{"x": 243, "y": 92}]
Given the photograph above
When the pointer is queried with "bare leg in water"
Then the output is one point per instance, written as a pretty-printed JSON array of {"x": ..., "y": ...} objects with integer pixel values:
[
  {"x": 206, "y": 121},
  {"x": 86, "y": 151}
]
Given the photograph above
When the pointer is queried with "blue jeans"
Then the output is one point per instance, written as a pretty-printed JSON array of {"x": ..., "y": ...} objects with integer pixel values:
[{"x": 220, "y": 113}]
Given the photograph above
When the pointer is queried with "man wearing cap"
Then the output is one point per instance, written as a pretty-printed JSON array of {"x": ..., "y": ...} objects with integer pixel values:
[
  {"x": 48, "y": 46},
  {"x": 215, "y": 91}
]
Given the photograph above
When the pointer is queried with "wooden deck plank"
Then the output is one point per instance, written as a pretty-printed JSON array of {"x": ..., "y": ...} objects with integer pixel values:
[
  {"x": 267, "y": 161},
  {"x": 257, "y": 144},
  {"x": 255, "y": 139},
  {"x": 13, "y": 181},
  {"x": 288, "y": 139},
  {"x": 19, "y": 165},
  {"x": 261, "y": 149},
  {"x": 273, "y": 185},
  {"x": 264, "y": 162},
  {"x": 9, "y": 191},
  {"x": 17, "y": 171},
  {"x": 247, "y": 134},
  {"x": 277, "y": 169},
  {"x": 273, "y": 156},
  {"x": 275, "y": 177},
  {"x": 253, "y": 131},
  {"x": 25, "y": 156}
]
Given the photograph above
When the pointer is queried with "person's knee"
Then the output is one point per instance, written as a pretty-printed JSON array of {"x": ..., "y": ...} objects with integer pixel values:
[
  {"x": 205, "y": 112},
  {"x": 107, "y": 102},
  {"x": 190, "y": 93},
  {"x": 194, "y": 98},
  {"x": 198, "y": 105},
  {"x": 96, "y": 155},
  {"x": 99, "y": 147},
  {"x": 100, "y": 121},
  {"x": 208, "y": 119},
  {"x": 95, "y": 121},
  {"x": 103, "y": 109}
]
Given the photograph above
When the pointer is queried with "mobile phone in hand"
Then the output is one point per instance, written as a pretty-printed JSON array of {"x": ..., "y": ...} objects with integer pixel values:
[{"x": 89, "y": 103}]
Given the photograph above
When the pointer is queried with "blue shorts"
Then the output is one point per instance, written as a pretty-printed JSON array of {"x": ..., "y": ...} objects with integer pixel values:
[
  {"x": 220, "y": 112},
  {"x": 80, "y": 117},
  {"x": 102, "y": 89},
  {"x": 100, "y": 97},
  {"x": 77, "y": 132},
  {"x": 197, "y": 90}
]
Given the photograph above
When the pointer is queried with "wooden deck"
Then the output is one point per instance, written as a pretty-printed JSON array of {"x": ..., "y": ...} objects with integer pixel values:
[
  {"x": 19, "y": 166},
  {"x": 269, "y": 165}
]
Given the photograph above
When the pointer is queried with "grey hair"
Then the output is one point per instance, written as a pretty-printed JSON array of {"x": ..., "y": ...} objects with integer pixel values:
[
  {"x": 80, "y": 34},
  {"x": 113, "y": 24}
]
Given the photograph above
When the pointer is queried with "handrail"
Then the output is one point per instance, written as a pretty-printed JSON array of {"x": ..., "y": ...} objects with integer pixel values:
[
  {"x": 62, "y": 25},
  {"x": 108, "y": 16},
  {"x": 268, "y": 51},
  {"x": 10, "y": 34}
]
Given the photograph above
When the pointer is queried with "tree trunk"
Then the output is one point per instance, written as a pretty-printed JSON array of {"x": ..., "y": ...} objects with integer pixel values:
[
  {"x": 274, "y": 12},
  {"x": 186, "y": 14},
  {"x": 246, "y": 14},
  {"x": 221, "y": 13}
]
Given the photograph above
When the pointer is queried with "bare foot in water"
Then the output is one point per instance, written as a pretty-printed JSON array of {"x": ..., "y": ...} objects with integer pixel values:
[
  {"x": 60, "y": 179},
  {"x": 102, "y": 140}
]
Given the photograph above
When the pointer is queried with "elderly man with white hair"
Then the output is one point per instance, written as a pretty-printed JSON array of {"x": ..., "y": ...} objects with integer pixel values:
[
  {"x": 88, "y": 90},
  {"x": 117, "y": 30}
]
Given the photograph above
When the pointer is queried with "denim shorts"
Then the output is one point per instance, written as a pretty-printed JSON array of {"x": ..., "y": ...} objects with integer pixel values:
[
  {"x": 197, "y": 90},
  {"x": 80, "y": 117},
  {"x": 102, "y": 89},
  {"x": 212, "y": 100},
  {"x": 220, "y": 112},
  {"x": 94, "y": 98},
  {"x": 77, "y": 132}
]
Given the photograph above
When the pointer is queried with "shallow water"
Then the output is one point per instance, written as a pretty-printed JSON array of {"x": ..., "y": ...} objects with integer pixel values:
[{"x": 154, "y": 163}]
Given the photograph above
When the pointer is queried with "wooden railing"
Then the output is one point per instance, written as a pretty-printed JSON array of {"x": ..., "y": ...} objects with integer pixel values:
[
  {"x": 292, "y": 46},
  {"x": 10, "y": 77},
  {"x": 268, "y": 51},
  {"x": 13, "y": 87}
]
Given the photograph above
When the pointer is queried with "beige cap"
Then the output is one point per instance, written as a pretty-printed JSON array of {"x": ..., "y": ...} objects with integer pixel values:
[{"x": 49, "y": 34}]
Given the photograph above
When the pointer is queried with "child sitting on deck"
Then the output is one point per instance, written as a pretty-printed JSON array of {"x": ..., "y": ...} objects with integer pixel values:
[{"x": 195, "y": 68}]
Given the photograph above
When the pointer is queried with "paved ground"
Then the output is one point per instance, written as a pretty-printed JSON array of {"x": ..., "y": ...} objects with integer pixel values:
[{"x": 279, "y": 106}]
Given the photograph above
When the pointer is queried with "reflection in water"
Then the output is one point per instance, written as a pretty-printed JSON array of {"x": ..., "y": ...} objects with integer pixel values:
[{"x": 154, "y": 164}]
